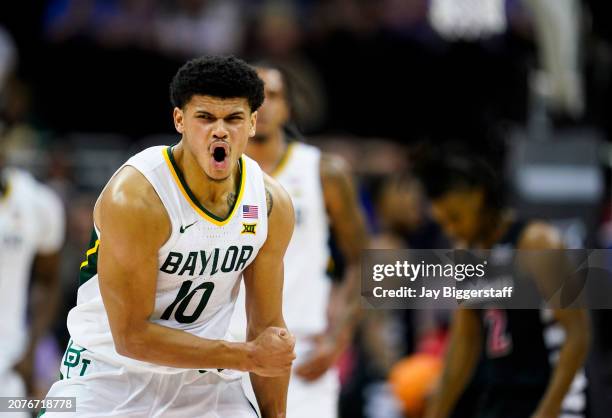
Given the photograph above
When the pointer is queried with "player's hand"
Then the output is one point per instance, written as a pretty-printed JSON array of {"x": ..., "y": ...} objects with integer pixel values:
[
  {"x": 324, "y": 355},
  {"x": 271, "y": 353}
]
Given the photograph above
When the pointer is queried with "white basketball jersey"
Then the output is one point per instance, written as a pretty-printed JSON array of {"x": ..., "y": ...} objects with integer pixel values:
[
  {"x": 200, "y": 266},
  {"x": 31, "y": 222},
  {"x": 306, "y": 288}
]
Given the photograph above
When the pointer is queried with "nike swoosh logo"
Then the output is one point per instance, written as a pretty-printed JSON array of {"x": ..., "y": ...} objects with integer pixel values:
[{"x": 184, "y": 228}]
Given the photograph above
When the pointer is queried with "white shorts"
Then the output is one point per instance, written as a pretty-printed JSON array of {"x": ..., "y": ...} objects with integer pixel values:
[
  {"x": 318, "y": 399},
  {"x": 102, "y": 389}
]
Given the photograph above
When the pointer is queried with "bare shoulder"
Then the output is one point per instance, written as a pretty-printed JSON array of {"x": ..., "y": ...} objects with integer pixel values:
[
  {"x": 130, "y": 204},
  {"x": 280, "y": 208},
  {"x": 540, "y": 235}
]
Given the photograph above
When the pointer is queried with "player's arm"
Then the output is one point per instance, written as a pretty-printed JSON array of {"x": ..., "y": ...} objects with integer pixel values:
[
  {"x": 349, "y": 230},
  {"x": 572, "y": 355},
  {"x": 459, "y": 363},
  {"x": 263, "y": 281},
  {"x": 134, "y": 225},
  {"x": 537, "y": 237},
  {"x": 46, "y": 285}
]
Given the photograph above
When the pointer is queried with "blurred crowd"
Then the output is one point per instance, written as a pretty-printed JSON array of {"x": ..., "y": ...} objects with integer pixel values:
[
  {"x": 400, "y": 49},
  {"x": 84, "y": 84}
]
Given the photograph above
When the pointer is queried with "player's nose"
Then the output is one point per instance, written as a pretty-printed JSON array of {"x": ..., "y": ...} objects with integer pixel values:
[{"x": 220, "y": 130}]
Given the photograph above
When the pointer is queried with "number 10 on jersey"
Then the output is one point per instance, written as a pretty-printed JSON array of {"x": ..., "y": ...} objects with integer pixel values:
[{"x": 183, "y": 299}]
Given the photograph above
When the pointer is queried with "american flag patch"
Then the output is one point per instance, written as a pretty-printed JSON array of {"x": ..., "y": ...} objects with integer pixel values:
[{"x": 249, "y": 211}]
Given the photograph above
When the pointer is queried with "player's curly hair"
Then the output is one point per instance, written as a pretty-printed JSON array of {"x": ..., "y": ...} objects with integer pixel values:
[
  {"x": 217, "y": 76},
  {"x": 450, "y": 166}
]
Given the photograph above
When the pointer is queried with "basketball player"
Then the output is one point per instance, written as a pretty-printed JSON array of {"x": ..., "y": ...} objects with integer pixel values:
[
  {"x": 508, "y": 354},
  {"x": 175, "y": 229},
  {"x": 31, "y": 235},
  {"x": 321, "y": 189}
]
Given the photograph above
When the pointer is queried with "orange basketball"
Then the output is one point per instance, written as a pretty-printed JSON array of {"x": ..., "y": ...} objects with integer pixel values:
[{"x": 412, "y": 380}]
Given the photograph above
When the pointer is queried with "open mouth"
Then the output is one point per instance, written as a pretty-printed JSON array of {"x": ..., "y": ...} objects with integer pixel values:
[
  {"x": 219, "y": 150},
  {"x": 219, "y": 154}
]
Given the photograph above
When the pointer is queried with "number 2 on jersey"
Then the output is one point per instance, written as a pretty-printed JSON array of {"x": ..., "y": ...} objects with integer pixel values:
[
  {"x": 499, "y": 342},
  {"x": 183, "y": 299}
]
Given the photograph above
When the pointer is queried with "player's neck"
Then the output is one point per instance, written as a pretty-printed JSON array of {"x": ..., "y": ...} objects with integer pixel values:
[
  {"x": 207, "y": 191},
  {"x": 269, "y": 153}
]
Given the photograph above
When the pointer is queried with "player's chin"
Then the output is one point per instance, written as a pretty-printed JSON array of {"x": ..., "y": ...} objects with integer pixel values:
[{"x": 219, "y": 173}]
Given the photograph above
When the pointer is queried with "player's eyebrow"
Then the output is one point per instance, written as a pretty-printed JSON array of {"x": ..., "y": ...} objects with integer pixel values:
[
  {"x": 236, "y": 113},
  {"x": 203, "y": 113}
]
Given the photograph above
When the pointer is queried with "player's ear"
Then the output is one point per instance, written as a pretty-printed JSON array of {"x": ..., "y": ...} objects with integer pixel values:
[
  {"x": 253, "y": 124},
  {"x": 178, "y": 120}
]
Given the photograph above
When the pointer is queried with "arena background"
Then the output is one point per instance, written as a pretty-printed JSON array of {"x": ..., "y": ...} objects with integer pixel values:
[{"x": 527, "y": 84}]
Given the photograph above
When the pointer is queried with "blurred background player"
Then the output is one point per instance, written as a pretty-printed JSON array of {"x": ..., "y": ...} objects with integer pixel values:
[
  {"x": 31, "y": 236},
  {"x": 507, "y": 354},
  {"x": 323, "y": 196}
]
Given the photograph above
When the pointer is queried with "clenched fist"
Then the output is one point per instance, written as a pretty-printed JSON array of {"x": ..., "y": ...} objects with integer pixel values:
[{"x": 271, "y": 353}]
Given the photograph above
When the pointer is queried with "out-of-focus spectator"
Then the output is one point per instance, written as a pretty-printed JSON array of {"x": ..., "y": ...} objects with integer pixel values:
[
  {"x": 7, "y": 57},
  {"x": 468, "y": 19},
  {"x": 7, "y": 64},
  {"x": 188, "y": 28},
  {"x": 20, "y": 141},
  {"x": 183, "y": 28},
  {"x": 278, "y": 31},
  {"x": 405, "y": 17},
  {"x": 558, "y": 27},
  {"x": 116, "y": 23},
  {"x": 127, "y": 24},
  {"x": 277, "y": 36}
]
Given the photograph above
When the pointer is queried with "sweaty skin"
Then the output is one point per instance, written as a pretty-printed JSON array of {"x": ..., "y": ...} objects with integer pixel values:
[
  {"x": 263, "y": 281},
  {"x": 133, "y": 226}
]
